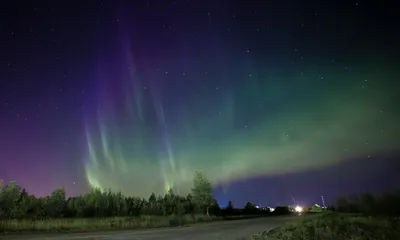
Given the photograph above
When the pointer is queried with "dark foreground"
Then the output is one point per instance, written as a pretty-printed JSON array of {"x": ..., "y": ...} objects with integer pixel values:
[
  {"x": 226, "y": 230},
  {"x": 331, "y": 225}
]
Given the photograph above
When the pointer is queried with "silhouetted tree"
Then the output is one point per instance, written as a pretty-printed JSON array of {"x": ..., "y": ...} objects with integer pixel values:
[
  {"x": 229, "y": 210},
  {"x": 230, "y": 205},
  {"x": 202, "y": 193},
  {"x": 250, "y": 208},
  {"x": 9, "y": 197}
]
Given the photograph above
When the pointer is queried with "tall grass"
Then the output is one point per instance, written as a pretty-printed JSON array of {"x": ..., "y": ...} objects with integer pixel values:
[
  {"x": 92, "y": 224},
  {"x": 337, "y": 226}
]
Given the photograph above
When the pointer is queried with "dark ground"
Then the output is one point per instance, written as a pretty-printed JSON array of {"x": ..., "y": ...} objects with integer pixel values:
[{"x": 232, "y": 230}]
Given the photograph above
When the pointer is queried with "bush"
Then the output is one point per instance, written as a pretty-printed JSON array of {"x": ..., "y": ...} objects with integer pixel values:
[{"x": 282, "y": 210}]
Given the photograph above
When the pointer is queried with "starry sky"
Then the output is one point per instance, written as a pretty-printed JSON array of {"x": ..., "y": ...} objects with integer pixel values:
[{"x": 274, "y": 101}]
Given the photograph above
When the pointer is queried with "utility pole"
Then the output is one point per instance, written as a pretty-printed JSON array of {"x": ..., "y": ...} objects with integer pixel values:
[{"x": 323, "y": 202}]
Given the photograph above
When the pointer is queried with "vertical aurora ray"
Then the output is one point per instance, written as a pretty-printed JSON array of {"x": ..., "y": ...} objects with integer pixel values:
[
  {"x": 93, "y": 162},
  {"x": 124, "y": 137},
  {"x": 166, "y": 147},
  {"x": 132, "y": 85},
  {"x": 105, "y": 146}
]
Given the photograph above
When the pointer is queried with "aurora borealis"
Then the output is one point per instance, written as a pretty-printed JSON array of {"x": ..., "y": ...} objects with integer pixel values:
[{"x": 143, "y": 94}]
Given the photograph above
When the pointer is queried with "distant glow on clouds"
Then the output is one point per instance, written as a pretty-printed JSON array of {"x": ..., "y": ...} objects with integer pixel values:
[{"x": 325, "y": 122}]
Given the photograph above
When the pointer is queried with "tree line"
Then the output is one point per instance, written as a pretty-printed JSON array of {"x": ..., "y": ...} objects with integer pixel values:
[
  {"x": 386, "y": 203},
  {"x": 17, "y": 203}
]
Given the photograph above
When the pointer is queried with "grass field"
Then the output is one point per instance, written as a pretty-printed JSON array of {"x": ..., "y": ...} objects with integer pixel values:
[
  {"x": 337, "y": 226},
  {"x": 93, "y": 224}
]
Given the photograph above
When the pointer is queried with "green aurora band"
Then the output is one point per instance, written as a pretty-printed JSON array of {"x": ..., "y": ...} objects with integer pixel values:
[{"x": 328, "y": 120}]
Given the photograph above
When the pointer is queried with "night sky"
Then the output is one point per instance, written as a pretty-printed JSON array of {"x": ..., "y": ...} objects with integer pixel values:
[{"x": 274, "y": 100}]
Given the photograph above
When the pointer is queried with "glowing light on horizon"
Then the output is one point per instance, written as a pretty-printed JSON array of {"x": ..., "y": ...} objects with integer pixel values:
[{"x": 298, "y": 209}]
